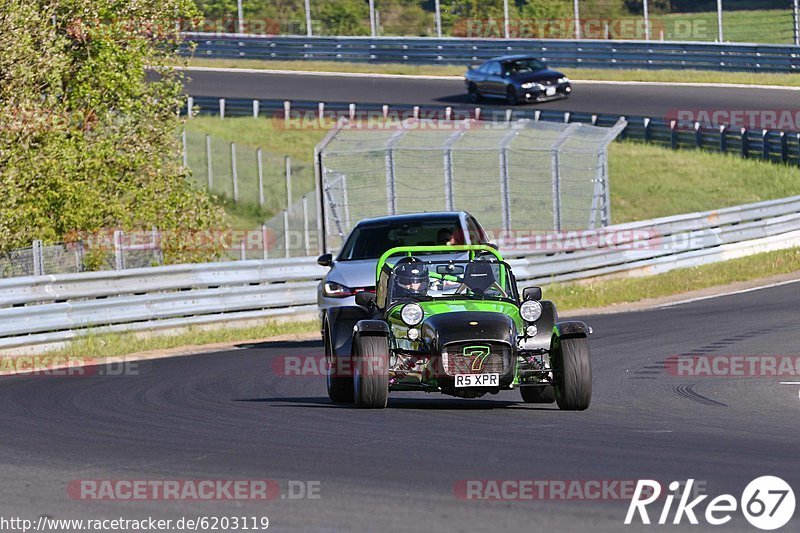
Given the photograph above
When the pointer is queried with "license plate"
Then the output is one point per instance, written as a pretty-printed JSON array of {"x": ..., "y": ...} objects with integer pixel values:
[
  {"x": 477, "y": 380},
  {"x": 551, "y": 91}
]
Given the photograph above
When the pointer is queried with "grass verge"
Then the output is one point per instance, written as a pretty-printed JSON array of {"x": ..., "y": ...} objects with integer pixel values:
[
  {"x": 117, "y": 344},
  {"x": 664, "y": 76},
  {"x": 601, "y": 294},
  {"x": 568, "y": 296}
]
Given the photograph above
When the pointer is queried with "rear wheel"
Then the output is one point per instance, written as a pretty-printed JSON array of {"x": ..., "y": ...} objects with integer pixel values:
[
  {"x": 339, "y": 376},
  {"x": 538, "y": 394},
  {"x": 573, "y": 374},
  {"x": 371, "y": 372}
]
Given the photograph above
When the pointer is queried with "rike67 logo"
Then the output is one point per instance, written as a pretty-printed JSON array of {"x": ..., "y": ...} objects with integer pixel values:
[{"x": 767, "y": 503}]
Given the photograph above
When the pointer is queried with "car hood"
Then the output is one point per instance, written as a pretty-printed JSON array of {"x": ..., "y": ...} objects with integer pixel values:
[
  {"x": 540, "y": 75},
  {"x": 353, "y": 274}
]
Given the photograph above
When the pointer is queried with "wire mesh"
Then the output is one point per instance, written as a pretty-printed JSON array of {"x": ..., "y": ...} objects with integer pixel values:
[{"x": 524, "y": 175}]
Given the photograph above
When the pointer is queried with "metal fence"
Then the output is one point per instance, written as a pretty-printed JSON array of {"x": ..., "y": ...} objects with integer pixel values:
[
  {"x": 48, "y": 309},
  {"x": 560, "y": 53},
  {"x": 755, "y": 21},
  {"x": 522, "y": 175},
  {"x": 771, "y": 145}
]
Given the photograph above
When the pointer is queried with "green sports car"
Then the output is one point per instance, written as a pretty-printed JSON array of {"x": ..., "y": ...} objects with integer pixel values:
[{"x": 450, "y": 319}]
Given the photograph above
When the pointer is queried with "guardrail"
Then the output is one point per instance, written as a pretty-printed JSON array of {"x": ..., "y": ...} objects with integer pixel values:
[
  {"x": 561, "y": 53},
  {"x": 50, "y": 309},
  {"x": 772, "y": 145}
]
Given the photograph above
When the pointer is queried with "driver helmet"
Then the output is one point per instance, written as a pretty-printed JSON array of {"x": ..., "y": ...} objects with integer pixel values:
[{"x": 411, "y": 278}]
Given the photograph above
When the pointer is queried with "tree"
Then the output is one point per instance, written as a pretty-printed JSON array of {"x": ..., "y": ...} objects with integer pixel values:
[{"x": 87, "y": 143}]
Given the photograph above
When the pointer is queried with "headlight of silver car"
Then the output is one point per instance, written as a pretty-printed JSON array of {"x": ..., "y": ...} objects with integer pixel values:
[
  {"x": 411, "y": 314},
  {"x": 530, "y": 311}
]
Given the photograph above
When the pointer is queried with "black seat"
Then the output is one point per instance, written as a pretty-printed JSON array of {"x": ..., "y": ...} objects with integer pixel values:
[{"x": 479, "y": 277}]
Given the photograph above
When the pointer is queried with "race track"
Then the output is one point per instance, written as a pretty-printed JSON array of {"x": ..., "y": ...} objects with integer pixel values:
[
  {"x": 647, "y": 100},
  {"x": 229, "y": 416}
]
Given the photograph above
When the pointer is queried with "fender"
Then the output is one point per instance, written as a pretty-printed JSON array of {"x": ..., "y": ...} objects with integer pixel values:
[
  {"x": 572, "y": 329},
  {"x": 371, "y": 327},
  {"x": 341, "y": 321},
  {"x": 545, "y": 326}
]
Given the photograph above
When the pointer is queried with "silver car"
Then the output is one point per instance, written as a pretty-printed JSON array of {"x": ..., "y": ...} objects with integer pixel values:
[{"x": 353, "y": 269}]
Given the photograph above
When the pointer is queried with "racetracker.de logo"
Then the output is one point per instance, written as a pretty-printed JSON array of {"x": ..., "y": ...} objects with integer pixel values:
[
  {"x": 733, "y": 366},
  {"x": 544, "y": 489},
  {"x": 191, "y": 489}
]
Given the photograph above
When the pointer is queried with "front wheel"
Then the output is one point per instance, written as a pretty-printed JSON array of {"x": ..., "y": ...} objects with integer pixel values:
[
  {"x": 371, "y": 371},
  {"x": 474, "y": 94},
  {"x": 544, "y": 394},
  {"x": 511, "y": 96},
  {"x": 573, "y": 374}
]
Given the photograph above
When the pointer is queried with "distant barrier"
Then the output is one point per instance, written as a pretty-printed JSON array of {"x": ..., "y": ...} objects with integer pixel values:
[{"x": 562, "y": 53}]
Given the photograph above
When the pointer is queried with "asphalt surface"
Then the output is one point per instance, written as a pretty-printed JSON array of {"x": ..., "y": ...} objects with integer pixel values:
[
  {"x": 648, "y": 100},
  {"x": 230, "y": 416}
]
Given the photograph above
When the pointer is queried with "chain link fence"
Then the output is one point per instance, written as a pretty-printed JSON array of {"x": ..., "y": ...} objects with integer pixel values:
[
  {"x": 735, "y": 21},
  {"x": 512, "y": 176}
]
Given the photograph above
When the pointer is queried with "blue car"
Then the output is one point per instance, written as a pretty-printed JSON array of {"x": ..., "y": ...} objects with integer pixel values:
[{"x": 517, "y": 79}]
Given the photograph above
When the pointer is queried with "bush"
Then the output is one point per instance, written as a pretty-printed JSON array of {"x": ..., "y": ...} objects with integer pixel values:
[{"x": 86, "y": 142}]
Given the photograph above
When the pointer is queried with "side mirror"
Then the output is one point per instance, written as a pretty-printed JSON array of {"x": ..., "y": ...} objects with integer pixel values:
[
  {"x": 325, "y": 260},
  {"x": 493, "y": 245},
  {"x": 532, "y": 293},
  {"x": 366, "y": 299}
]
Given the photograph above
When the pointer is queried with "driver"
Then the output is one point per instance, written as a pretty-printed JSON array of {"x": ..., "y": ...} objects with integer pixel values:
[{"x": 411, "y": 279}]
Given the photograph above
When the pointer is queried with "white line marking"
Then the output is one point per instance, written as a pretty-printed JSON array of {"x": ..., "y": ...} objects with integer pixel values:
[
  {"x": 461, "y": 78},
  {"x": 732, "y": 293},
  {"x": 790, "y": 382}
]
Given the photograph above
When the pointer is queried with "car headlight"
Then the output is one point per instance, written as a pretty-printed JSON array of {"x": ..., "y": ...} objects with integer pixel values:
[
  {"x": 563, "y": 80},
  {"x": 530, "y": 311},
  {"x": 335, "y": 290},
  {"x": 530, "y": 85},
  {"x": 411, "y": 314}
]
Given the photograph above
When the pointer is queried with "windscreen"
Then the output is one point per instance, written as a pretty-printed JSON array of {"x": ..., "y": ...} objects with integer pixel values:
[
  {"x": 416, "y": 280},
  {"x": 371, "y": 241},
  {"x": 522, "y": 66}
]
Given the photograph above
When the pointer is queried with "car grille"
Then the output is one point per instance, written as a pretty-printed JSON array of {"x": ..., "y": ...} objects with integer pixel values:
[{"x": 476, "y": 358}]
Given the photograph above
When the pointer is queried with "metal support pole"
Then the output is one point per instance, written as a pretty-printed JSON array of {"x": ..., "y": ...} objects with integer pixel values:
[
  {"x": 285, "y": 233},
  {"x": 240, "y": 14},
  {"x": 234, "y": 174},
  {"x": 306, "y": 234},
  {"x": 449, "y": 202},
  {"x": 505, "y": 19},
  {"x": 719, "y": 21},
  {"x": 189, "y": 106},
  {"x": 438, "y": 18},
  {"x": 260, "y": 177},
  {"x": 255, "y": 108},
  {"x": 185, "y": 152},
  {"x": 391, "y": 180},
  {"x": 577, "y": 20},
  {"x": 646, "y": 20},
  {"x": 119, "y": 259},
  {"x": 555, "y": 170},
  {"x": 372, "y": 29},
  {"x": 796, "y": 17},
  {"x": 221, "y": 108},
  {"x": 38, "y": 258},
  {"x": 307, "y": 6},
  {"x": 505, "y": 187},
  {"x": 265, "y": 241},
  {"x": 288, "y": 161},
  {"x": 208, "y": 163}
]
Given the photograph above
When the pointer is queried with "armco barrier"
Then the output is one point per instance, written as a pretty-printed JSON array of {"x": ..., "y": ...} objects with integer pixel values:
[
  {"x": 50, "y": 309},
  {"x": 560, "y": 53},
  {"x": 771, "y": 145}
]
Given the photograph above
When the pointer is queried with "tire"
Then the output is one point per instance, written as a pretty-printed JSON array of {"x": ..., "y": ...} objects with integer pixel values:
[
  {"x": 338, "y": 379},
  {"x": 511, "y": 96},
  {"x": 474, "y": 94},
  {"x": 371, "y": 371},
  {"x": 573, "y": 374},
  {"x": 538, "y": 394}
]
